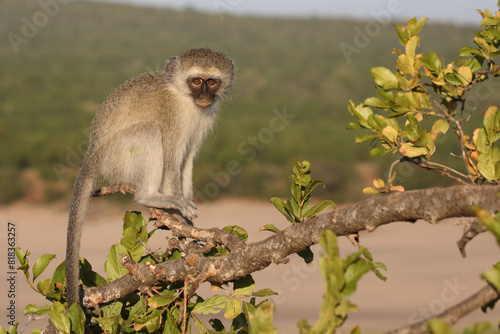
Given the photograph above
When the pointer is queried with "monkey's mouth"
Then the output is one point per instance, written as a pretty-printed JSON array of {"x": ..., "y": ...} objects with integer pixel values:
[{"x": 203, "y": 103}]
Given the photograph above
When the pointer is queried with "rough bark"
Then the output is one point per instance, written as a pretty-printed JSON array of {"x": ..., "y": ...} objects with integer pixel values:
[{"x": 432, "y": 205}]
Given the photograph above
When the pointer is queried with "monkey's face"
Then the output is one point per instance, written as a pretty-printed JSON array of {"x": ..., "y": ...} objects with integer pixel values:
[{"x": 203, "y": 90}]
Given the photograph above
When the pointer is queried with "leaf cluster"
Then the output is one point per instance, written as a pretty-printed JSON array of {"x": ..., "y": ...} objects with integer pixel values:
[
  {"x": 341, "y": 279},
  {"x": 296, "y": 210},
  {"x": 424, "y": 98},
  {"x": 158, "y": 312}
]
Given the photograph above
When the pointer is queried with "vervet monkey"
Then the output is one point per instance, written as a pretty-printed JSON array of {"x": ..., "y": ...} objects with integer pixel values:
[{"x": 146, "y": 135}]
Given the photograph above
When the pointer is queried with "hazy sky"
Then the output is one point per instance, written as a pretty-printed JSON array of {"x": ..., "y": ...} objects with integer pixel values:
[{"x": 458, "y": 12}]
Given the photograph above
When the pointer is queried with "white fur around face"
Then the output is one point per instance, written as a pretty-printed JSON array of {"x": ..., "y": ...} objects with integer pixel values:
[{"x": 204, "y": 71}]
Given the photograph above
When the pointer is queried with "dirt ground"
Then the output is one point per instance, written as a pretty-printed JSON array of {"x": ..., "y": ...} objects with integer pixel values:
[{"x": 426, "y": 273}]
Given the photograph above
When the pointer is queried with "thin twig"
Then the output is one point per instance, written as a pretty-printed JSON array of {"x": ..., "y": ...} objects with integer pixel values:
[
  {"x": 481, "y": 298},
  {"x": 461, "y": 135},
  {"x": 443, "y": 171}
]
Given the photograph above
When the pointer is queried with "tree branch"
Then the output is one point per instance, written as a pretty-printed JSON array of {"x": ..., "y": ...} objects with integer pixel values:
[
  {"x": 481, "y": 298},
  {"x": 432, "y": 205},
  {"x": 471, "y": 230}
]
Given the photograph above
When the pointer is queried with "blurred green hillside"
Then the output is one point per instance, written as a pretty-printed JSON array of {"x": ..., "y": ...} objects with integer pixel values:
[{"x": 59, "y": 63}]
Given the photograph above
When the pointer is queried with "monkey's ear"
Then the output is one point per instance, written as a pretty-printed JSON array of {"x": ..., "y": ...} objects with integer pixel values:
[{"x": 170, "y": 66}]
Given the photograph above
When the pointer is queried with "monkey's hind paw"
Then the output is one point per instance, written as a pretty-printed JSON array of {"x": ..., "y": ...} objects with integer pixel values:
[{"x": 186, "y": 207}]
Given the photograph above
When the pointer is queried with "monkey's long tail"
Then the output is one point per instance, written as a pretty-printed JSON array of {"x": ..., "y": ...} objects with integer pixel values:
[{"x": 84, "y": 185}]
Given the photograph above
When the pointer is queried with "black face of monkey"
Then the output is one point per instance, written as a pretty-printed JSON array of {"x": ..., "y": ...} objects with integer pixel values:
[{"x": 204, "y": 90}]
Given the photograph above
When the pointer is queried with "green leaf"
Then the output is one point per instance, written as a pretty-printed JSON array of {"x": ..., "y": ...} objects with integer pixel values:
[
  {"x": 217, "y": 325},
  {"x": 452, "y": 79},
  {"x": 165, "y": 298},
  {"x": 237, "y": 231},
  {"x": 377, "y": 102},
  {"x": 489, "y": 21},
  {"x": 402, "y": 34},
  {"x": 281, "y": 206},
  {"x": 23, "y": 261},
  {"x": 441, "y": 125},
  {"x": 384, "y": 78},
  {"x": 244, "y": 285},
  {"x": 385, "y": 94},
  {"x": 438, "y": 326},
  {"x": 294, "y": 208},
  {"x": 432, "y": 62},
  {"x": 113, "y": 266},
  {"x": 491, "y": 122},
  {"x": 77, "y": 317},
  {"x": 21, "y": 256},
  {"x": 307, "y": 255},
  {"x": 296, "y": 189},
  {"x": 466, "y": 51},
  {"x": 59, "y": 275},
  {"x": 135, "y": 219},
  {"x": 411, "y": 47},
  {"x": 482, "y": 142},
  {"x": 59, "y": 318},
  {"x": 483, "y": 47},
  {"x": 353, "y": 274},
  {"x": 378, "y": 151},
  {"x": 412, "y": 151},
  {"x": 41, "y": 264},
  {"x": 319, "y": 207},
  {"x": 88, "y": 276},
  {"x": 464, "y": 75},
  {"x": 491, "y": 222},
  {"x": 360, "y": 112},
  {"x": 264, "y": 293},
  {"x": 365, "y": 138},
  {"x": 233, "y": 308},
  {"x": 270, "y": 227},
  {"x": 354, "y": 126},
  {"x": 417, "y": 26},
  {"x": 131, "y": 241},
  {"x": 371, "y": 190},
  {"x": 110, "y": 317},
  {"x": 260, "y": 318},
  {"x": 405, "y": 65},
  {"x": 212, "y": 305},
  {"x": 33, "y": 309},
  {"x": 489, "y": 164},
  {"x": 45, "y": 287},
  {"x": 312, "y": 186},
  {"x": 492, "y": 276},
  {"x": 171, "y": 324},
  {"x": 390, "y": 135},
  {"x": 377, "y": 122}
]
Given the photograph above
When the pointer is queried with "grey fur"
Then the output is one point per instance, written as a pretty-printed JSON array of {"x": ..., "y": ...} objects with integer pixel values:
[{"x": 146, "y": 135}]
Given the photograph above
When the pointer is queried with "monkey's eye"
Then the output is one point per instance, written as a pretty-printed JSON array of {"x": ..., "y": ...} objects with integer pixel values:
[
  {"x": 211, "y": 82},
  {"x": 197, "y": 81}
]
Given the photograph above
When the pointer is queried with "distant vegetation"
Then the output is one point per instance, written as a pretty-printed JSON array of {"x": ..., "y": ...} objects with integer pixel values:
[{"x": 80, "y": 51}]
